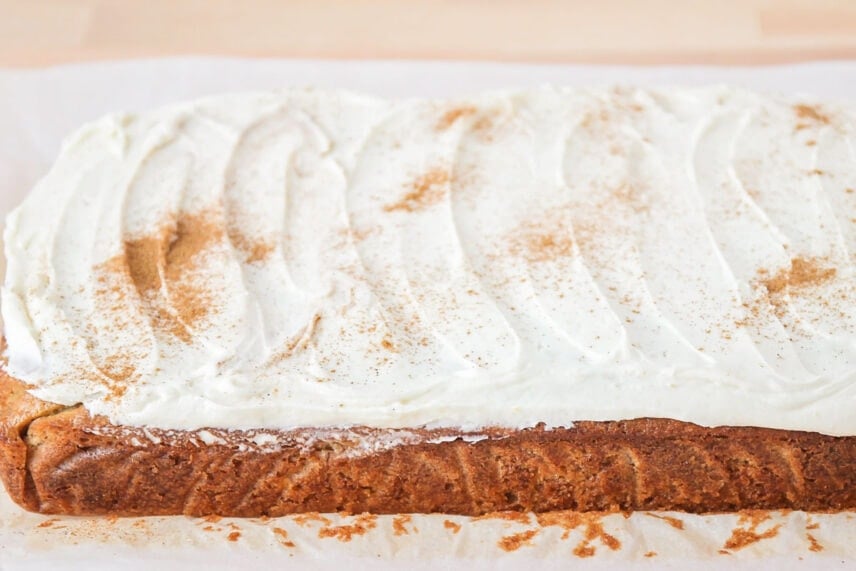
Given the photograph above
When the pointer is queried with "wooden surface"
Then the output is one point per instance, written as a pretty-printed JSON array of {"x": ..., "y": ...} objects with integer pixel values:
[{"x": 44, "y": 32}]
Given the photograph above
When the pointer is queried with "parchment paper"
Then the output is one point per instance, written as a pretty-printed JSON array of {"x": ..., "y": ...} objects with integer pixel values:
[{"x": 39, "y": 107}]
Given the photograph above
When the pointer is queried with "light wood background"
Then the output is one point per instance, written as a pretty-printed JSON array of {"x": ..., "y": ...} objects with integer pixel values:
[{"x": 44, "y": 32}]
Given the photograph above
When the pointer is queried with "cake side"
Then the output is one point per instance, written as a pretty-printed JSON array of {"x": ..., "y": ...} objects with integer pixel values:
[
  {"x": 18, "y": 410},
  {"x": 64, "y": 461}
]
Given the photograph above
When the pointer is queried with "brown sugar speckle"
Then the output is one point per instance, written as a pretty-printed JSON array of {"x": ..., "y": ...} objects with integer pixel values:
[
  {"x": 746, "y": 533},
  {"x": 455, "y": 527},
  {"x": 517, "y": 540},
  {"x": 427, "y": 190}
]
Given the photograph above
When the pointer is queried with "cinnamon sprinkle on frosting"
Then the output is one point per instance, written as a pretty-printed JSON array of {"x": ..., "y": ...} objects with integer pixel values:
[
  {"x": 427, "y": 190},
  {"x": 542, "y": 240},
  {"x": 163, "y": 269},
  {"x": 803, "y": 273},
  {"x": 452, "y": 115},
  {"x": 811, "y": 113}
]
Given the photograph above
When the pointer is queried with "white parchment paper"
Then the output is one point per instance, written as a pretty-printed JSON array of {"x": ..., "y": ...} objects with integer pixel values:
[{"x": 39, "y": 107}]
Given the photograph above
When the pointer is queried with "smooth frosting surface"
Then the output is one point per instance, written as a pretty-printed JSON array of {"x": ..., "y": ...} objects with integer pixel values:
[{"x": 325, "y": 259}]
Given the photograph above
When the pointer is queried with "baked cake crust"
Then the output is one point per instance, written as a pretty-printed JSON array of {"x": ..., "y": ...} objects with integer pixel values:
[{"x": 61, "y": 460}]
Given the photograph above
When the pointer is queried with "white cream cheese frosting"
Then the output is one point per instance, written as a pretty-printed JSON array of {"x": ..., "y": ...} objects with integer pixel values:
[{"x": 325, "y": 259}]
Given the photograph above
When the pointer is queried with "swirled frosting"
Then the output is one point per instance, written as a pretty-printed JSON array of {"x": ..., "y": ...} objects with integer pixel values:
[{"x": 325, "y": 259}]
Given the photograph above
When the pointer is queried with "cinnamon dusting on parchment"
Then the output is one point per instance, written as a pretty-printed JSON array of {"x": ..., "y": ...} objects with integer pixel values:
[
  {"x": 516, "y": 541},
  {"x": 427, "y": 190},
  {"x": 672, "y": 521},
  {"x": 813, "y": 544},
  {"x": 746, "y": 533},
  {"x": 344, "y": 533},
  {"x": 282, "y": 537},
  {"x": 399, "y": 524},
  {"x": 304, "y": 519},
  {"x": 592, "y": 521}
]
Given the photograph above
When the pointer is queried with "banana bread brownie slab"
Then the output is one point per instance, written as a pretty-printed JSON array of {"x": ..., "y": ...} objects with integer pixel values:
[
  {"x": 61, "y": 460},
  {"x": 320, "y": 274}
]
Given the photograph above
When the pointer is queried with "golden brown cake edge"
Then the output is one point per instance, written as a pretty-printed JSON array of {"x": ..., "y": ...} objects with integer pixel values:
[{"x": 60, "y": 460}]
